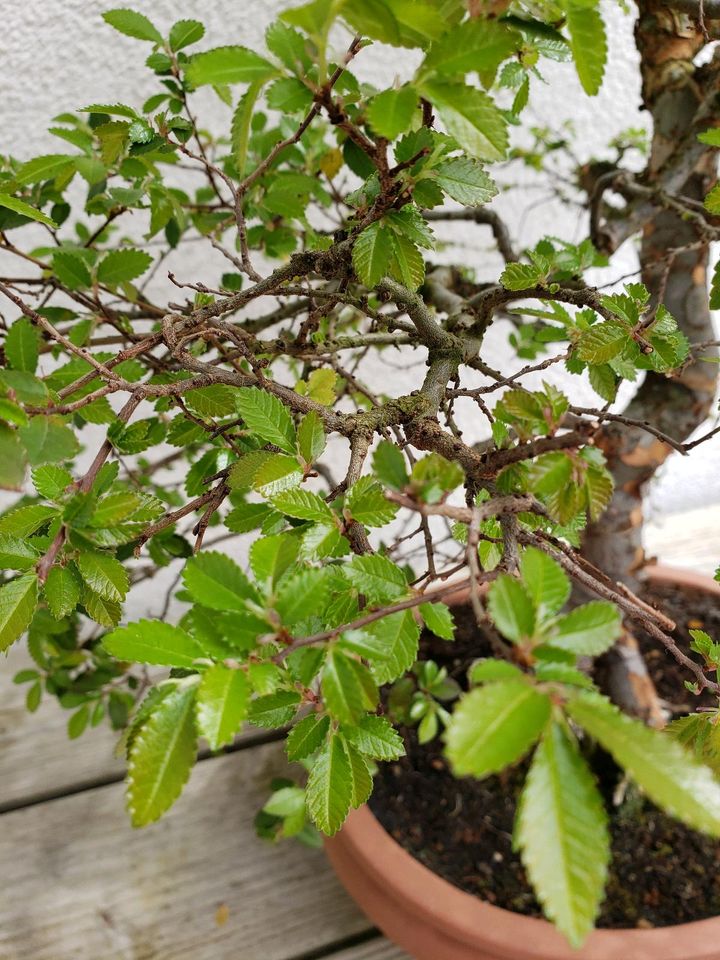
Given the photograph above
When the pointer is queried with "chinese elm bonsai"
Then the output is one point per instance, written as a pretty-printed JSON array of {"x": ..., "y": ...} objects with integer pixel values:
[{"x": 208, "y": 400}]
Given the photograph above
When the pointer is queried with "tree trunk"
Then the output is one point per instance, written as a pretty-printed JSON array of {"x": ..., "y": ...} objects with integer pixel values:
[{"x": 673, "y": 90}]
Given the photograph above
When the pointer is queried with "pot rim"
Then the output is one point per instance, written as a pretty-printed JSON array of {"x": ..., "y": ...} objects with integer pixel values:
[{"x": 470, "y": 920}]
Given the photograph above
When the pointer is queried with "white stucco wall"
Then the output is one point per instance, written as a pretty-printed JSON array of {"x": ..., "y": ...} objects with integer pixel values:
[{"x": 59, "y": 55}]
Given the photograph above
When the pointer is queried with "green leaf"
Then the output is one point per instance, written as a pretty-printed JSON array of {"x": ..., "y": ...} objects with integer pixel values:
[
  {"x": 17, "y": 554},
  {"x": 700, "y": 732},
  {"x": 407, "y": 264},
  {"x": 222, "y": 704},
  {"x": 102, "y": 611},
  {"x": 545, "y": 581},
  {"x": 439, "y": 619},
  {"x": 391, "y": 112},
  {"x": 389, "y": 465},
  {"x": 671, "y": 777},
  {"x": 377, "y": 577},
  {"x": 78, "y": 722},
  {"x": 495, "y": 725},
  {"x": 563, "y": 836},
  {"x": 161, "y": 756},
  {"x": 362, "y": 783},
  {"x": 602, "y": 342},
  {"x": 267, "y": 416},
  {"x": 475, "y": 45},
  {"x": 62, "y": 591},
  {"x": 348, "y": 688},
  {"x": 301, "y": 595},
  {"x": 303, "y": 505},
  {"x": 275, "y": 709},
  {"x": 376, "y": 738},
  {"x": 217, "y": 582},
  {"x": 471, "y": 117},
  {"x": 233, "y": 64},
  {"x": 371, "y": 254},
  {"x": 132, "y": 24},
  {"x": 241, "y": 125},
  {"x": 307, "y": 735},
  {"x": 330, "y": 787},
  {"x": 48, "y": 440},
  {"x": 46, "y": 167},
  {"x": 185, "y": 32},
  {"x": 366, "y": 503},
  {"x": 463, "y": 179},
  {"x": 521, "y": 276},
  {"x": 25, "y": 210},
  {"x": 122, "y": 266},
  {"x": 51, "y": 481},
  {"x": 105, "y": 575},
  {"x": 154, "y": 642},
  {"x": 18, "y": 600},
  {"x": 588, "y": 630},
  {"x": 587, "y": 42},
  {"x": 511, "y": 608},
  {"x": 488, "y": 670},
  {"x": 22, "y": 343},
  {"x": 311, "y": 437},
  {"x": 71, "y": 270},
  {"x": 24, "y": 521},
  {"x": 390, "y": 645}
]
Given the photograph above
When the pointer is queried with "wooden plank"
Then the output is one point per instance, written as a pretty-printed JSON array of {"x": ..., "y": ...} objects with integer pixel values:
[
  {"x": 80, "y": 884},
  {"x": 376, "y": 949}
]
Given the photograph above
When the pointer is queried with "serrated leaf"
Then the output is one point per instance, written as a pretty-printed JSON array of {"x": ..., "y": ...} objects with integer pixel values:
[
  {"x": 330, "y": 787},
  {"x": 46, "y": 167},
  {"x": 217, "y": 582},
  {"x": 521, "y": 276},
  {"x": 275, "y": 709},
  {"x": 478, "y": 44},
  {"x": 17, "y": 554},
  {"x": 311, "y": 437},
  {"x": 307, "y": 736},
  {"x": 18, "y": 600},
  {"x": 185, "y": 32},
  {"x": 100, "y": 609},
  {"x": 105, "y": 575},
  {"x": 227, "y": 65},
  {"x": 471, "y": 117},
  {"x": 588, "y": 630},
  {"x": 439, "y": 619},
  {"x": 22, "y": 343},
  {"x": 545, "y": 581},
  {"x": 671, "y": 777},
  {"x": 51, "y": 481},
  {"x": 48, "y": 440},
  {"x": 372, "y": 253},
  {"x": 389, "y": 465},
  {"x": 406, "y": 264},
  {"x": 132, "y": 24},
  {"x": 222, "y": 704},
  {"x": 301, "y": 595},
  {"x": 391, "y": 112},
  {"x": 495, "y": 725},
  {"x": 154, "y": 642},
  {"x": 62, "y": 591},
  {"x": 488, "y": 670},
  {"x": 587, "y": 42},
  {"x": 376, "y": 738},
  {"x": 365, "y": 502},
  {"x": 602, "y": 342},
  {"x": 161, "y": 756},
  {"x": 563, "y": 836},
  {"x": 24, "y": 521},
  {"x": 25, "y": 210},
  {"x": 377, "y": 577},
  {"x": 511, "y": 608},
  {"x": 267, "y": 416},
  {"x": 464, "y": 179},
  {"x": 362, "y": 783},
  {"x": 122, "y": 266},
  {"x": 71, "y": 270},
  {"x": 348, "y": 688},
  {"x": 303, "y": 505},
  {"x": 390, "y": 645}
]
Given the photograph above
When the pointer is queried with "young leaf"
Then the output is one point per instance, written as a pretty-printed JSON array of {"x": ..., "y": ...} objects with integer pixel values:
[
  {"x": 406, "y": 264},
  {"x": 511, "y": 608},
  {"x": 311, "y": 437},
  {"x": 348, "y": 688},
  {"x": 439, "y": 619},
  {"x": 588, "y": 630},
  {"x": 185, "y": 32},
  {"x": 105, "y": 575},
  {"x": 228, "y": 65},
  {"x": 222, "y": 704},
  {"x": 330, "y": 787},
  {"x": 671, "y": 777},
  {"x": 62, "y": 591},
  {"x": 307, "y": 736},
  {"x": 154, "y": 642},
  {"x": 563, "y": 836},
  {"x": 587, "y": 42},
  {"x": 391, "y": 112},
  {"x": 495, "y": 725},
  {"x": 602, "y": 342},
  {"x": 389, "y": 465},
  {"x": 366, "y": 503},
  {"x": 267, "y": 416},
  {"x": 161, "y": 756},
  {"x": 463, "y": 179},
  {"x": 18, "y": 600},
  {"x": 545, "y": 581},
  {"x": 132, "y": 24}
]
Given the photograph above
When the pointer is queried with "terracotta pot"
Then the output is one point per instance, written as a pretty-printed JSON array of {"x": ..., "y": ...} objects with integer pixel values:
[{"x": 434, "y": 920}]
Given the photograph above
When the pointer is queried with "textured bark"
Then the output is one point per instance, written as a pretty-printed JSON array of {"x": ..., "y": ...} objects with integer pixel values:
[{"x": 673, "y": 90}]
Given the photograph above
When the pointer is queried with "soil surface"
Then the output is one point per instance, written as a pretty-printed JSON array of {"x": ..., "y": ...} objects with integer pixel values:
[{"x": 661, "y": 872}]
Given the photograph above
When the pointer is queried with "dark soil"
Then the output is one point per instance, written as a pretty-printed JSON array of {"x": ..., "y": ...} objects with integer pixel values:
[{"x": 661, "y": 872}]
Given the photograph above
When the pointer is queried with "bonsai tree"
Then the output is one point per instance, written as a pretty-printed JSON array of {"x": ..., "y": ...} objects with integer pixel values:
[{"x": 234, "y": 403}]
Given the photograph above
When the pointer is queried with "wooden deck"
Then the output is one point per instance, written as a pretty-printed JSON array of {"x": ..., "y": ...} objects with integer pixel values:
[{"x": 79, "y": 884}]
